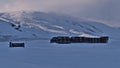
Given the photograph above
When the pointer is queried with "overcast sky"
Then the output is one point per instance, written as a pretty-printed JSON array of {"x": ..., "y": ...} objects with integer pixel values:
[{"x": 102, "y": 10}]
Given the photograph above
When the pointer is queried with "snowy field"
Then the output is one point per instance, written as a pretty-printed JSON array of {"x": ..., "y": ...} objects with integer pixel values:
[{"x": 42, "y": 54}]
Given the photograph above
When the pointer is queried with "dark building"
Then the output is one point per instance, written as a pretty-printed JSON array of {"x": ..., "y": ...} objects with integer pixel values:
[
  {"x": 66, "y": 40},
  {"x": 60, "y": 40},
  {"x": 104, "y": 39},
  {"x": 77, "y": 39},
  {"x": 89, "y": 39},
  {"x": 16, "y": 44}
]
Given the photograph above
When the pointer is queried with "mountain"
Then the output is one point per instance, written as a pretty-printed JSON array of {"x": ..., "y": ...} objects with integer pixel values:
[{"x": 30, "y": 25}]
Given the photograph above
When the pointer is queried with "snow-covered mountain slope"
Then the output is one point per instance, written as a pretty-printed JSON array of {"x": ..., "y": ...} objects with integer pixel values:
[{"x": 45, "y": 25}]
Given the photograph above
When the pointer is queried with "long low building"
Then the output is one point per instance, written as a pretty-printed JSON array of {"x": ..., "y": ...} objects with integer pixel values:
[{"x": 67, "y": 40}]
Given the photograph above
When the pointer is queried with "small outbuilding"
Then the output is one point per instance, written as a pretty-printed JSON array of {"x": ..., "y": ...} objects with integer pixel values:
[{"x": 16, "y": 44}]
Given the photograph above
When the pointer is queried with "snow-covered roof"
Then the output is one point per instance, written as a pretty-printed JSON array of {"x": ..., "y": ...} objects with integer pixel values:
[{"x": 88, "y": 35}]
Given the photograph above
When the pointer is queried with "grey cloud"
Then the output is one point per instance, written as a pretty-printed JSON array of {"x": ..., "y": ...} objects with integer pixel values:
[{"x": 106, "y": 10}]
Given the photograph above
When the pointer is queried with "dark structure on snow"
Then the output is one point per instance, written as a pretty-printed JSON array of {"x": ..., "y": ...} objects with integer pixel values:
[
  {"x": 67, "y": 40},
  {"x": 60, "y": 40},
  {"x": 16, "y": 44},
  {"x": 89, "y": 40}
]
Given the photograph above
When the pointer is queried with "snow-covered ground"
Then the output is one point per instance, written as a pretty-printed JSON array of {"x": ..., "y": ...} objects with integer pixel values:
[
  {"x": 35, "y": 29},
  {"x": 42, "y": 54}
]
